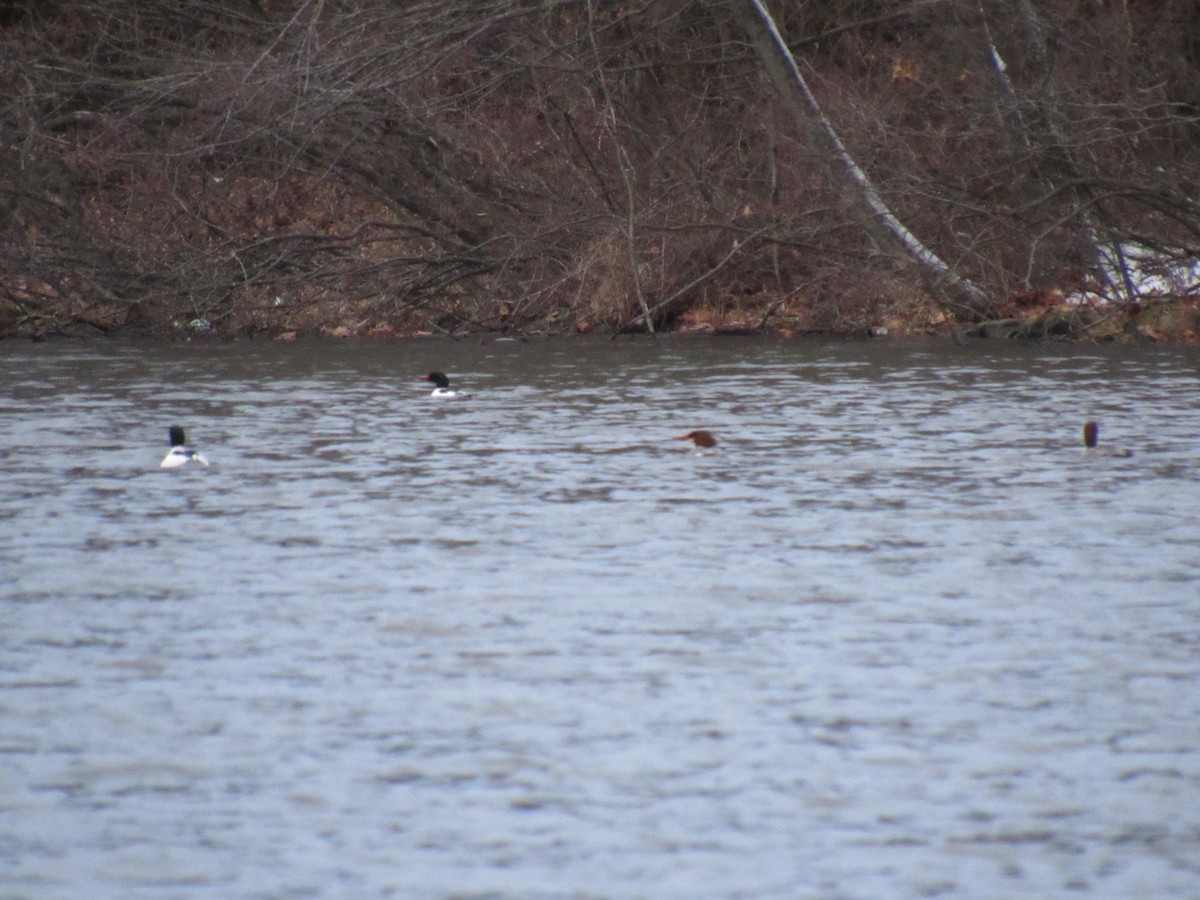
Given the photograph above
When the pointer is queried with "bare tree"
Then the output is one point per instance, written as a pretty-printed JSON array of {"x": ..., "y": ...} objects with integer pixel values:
[{"x": 781, "y": 65}]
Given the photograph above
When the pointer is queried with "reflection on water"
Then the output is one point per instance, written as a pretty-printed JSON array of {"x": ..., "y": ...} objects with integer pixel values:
[{"x": 900, "y": 637}]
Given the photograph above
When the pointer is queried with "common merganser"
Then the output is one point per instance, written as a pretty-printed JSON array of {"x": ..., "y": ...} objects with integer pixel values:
[
  {"x": 1091, "y": 437},
  {"x": 702, "y": 439},
  {"x": 180, "y": 454},
  {"x": 443, "y": 385}
]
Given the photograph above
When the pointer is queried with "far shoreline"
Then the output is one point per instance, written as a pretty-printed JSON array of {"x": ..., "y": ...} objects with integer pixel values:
[{"x": 1170, "y": 321}]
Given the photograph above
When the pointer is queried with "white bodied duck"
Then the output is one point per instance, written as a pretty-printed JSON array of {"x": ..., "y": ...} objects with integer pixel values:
[{"x": 180, "y": 453}]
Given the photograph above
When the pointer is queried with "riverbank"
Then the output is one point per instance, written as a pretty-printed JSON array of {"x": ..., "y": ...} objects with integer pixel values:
[
  {"x": 530, "y": 169},
  {"x": 1046, "y": 316}
]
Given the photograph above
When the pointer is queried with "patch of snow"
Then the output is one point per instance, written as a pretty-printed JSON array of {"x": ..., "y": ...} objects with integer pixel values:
[{"x": 1152, "y": 273}]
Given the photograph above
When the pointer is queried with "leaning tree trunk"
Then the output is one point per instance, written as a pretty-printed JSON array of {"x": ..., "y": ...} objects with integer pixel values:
[
  {"x": 1048, "y": 135},
  {"x": 780, "y": 65}
]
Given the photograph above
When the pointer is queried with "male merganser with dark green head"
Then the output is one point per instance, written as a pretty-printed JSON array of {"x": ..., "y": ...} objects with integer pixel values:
[
  {"x": 180, "y": 453},
  {"x": 443, "y": 385}
]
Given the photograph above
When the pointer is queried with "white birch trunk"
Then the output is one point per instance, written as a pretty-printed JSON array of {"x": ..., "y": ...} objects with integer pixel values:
[{"x": 781, "y": 65}]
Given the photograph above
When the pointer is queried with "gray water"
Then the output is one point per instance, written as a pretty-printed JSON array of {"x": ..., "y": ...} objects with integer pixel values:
[{"x": 900, "y": 637}]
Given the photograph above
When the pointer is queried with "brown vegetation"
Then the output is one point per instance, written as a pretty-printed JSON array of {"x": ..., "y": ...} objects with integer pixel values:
[{"x": 244, "y": 166}]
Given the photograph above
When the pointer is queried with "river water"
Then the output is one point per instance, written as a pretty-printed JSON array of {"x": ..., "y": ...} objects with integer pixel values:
[{"x": 900, "y": 637}]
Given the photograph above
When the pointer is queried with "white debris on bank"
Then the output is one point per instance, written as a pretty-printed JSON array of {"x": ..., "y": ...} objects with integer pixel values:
[{"x": 1153, "y": 274}]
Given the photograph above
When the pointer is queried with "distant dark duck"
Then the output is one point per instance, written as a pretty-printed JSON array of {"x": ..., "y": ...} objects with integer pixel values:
[
  {"x": 702, "y": 439},
  {"x": 443, "y": 385},
  {"x": 1091, "y": 437},
  {"x": 180, "y": 453}
]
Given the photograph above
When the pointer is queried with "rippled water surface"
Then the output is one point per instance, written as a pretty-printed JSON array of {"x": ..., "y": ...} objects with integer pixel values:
[{"x": 899, "y": 638}]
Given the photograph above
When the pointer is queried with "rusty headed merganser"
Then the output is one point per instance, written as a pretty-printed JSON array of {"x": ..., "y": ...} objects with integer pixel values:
[
  {"x": 1091, "y": 436},
  {"x": 443, "y": 385},
  {"x": 702, "y": 439},
  {"x": 180, "y": 453}
]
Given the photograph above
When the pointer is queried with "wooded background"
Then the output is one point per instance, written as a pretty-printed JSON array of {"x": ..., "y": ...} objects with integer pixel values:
[{"x": 234, "y": 166}]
